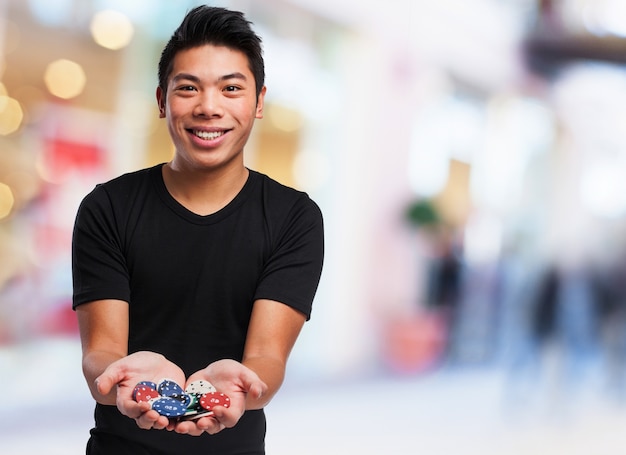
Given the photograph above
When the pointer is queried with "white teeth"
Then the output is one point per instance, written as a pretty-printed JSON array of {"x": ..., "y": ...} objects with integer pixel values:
[{"x": 208, "y": 135}]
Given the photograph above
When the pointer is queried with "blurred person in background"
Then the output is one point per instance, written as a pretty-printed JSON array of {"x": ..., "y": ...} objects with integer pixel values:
[{"x": 198, "y": 268}]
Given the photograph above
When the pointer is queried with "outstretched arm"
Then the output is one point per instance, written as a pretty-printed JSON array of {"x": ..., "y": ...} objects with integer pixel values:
[
  {"x": 251, "y": 384},
  {"x": 273, "y": 331},
  {"x": 111, "y": 374},
  {"x": 103, "y": 328}
]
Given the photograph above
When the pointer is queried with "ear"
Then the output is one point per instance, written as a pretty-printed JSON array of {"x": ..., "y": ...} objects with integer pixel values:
[
  {"x": 160, "y": 96},
  {"x": 259, "y": 103}
]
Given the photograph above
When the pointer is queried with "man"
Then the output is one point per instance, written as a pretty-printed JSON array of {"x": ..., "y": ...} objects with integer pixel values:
[{"x": 198, "y": 268}]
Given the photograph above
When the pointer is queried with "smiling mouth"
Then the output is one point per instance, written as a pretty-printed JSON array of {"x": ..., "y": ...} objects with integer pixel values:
[{"x": 208, "y": 135}]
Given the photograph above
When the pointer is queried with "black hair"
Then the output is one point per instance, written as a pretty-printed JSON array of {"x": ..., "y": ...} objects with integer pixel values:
[{"x": 220, "y": 27}]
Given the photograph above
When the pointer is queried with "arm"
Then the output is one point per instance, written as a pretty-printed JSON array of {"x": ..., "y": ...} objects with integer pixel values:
[
  {"x": 251, "y": 384},
  {"x": 274, "y": 328},
  {"x": 112, "y": 374},
  {"x": 103, "y": 328}
]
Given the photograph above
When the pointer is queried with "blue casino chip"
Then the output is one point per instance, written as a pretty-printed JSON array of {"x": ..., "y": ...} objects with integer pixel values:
[
  {"x": 168, "y": 388},
  {"x": 184, "y": 398},
  {"x": 169, "y": 407}
]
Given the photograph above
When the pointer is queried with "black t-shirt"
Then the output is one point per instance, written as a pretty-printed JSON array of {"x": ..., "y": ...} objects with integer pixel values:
[{"x": 191, "y": 281}]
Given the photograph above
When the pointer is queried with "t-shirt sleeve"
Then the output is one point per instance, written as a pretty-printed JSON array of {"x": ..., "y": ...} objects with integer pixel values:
[
  {"x": 292, "y": 273},
  {"x": 99, "y": 269}
]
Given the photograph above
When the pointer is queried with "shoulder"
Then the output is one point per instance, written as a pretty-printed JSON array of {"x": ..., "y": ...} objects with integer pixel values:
[
  {"x": 122, "y": 187},
  {"x": 287, "y": 209},
  {"x": 130, "y": 181},
  {"x": 287, "y": 206},
  {"x": 117, "y": 198},
  {"x": 283, "y": 197}
]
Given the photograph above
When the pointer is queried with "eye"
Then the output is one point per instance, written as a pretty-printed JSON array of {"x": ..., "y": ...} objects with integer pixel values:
[
  {"x": 185, "y": 88},
  {"x": 232, "y": 88}
]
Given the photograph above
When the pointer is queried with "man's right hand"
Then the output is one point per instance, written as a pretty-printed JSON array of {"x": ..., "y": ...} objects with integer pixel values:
[{"x": 126, "y": 373}]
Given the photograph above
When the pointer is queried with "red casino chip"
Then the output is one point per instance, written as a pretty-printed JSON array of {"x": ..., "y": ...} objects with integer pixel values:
[
  {"x": 209, "y": 400},
  {"x": 144, "y": 393}
]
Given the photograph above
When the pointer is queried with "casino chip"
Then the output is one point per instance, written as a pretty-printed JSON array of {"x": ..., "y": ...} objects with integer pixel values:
[
  {"x": 169, "y": 407},
  {"x": 209, "y": 400},
  {"x": 196, "y": 414},
  {"x": 169, "y": 399},
  {"x": 200, "y": 387},
  {"x": 144, "y": 393},
  {"x": 150, "y": 384},
  {"x": 167, "y": 388},
  {"x": 194, "y": 400},
  {"x": 184, "y": 398}
]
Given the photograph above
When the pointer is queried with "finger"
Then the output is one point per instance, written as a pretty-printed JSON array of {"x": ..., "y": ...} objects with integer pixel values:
[
  {"x": 151, "y": 419},
  {"x": 189, "y": 428},
  {"x": 111, "y": 376},
  {"x": 257, "y": 389},
  {"x": 210, "y": 425},
  {"x": 226, "y": 417},
  {"x": 133, "y": 409},
  {"x": 252, "y": 384},
  {"x": 219, "y": 427},
  {"x": 161, "y": 423},
  {"x": 104, "y": 384}
]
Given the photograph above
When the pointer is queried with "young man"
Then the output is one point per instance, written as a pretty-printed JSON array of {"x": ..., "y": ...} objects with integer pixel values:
[{"x": 198, "y": 268}]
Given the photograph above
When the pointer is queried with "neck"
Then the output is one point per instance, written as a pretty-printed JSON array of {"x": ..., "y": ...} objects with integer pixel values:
[{"x": 206, "y": 192}]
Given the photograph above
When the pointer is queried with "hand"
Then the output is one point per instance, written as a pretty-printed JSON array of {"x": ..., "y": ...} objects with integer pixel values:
[
  {"x": 126, "y": 373},
  {"x": 235, "y": 380}
]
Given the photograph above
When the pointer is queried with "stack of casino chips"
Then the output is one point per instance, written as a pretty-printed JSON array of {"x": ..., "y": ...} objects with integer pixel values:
[{"x": 170, "y": 400}]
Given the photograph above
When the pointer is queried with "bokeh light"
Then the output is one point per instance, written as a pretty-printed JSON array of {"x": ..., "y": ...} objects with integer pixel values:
[
  {"x": 6, "y": 200},
  {"x": 65, "y": 79},
  {"x": 112, "y": 29},
  {"x": 11, "y": 115}
]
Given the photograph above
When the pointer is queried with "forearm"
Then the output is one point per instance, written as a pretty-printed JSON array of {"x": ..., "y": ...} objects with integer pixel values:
[
  {"x": 94, "y": 364},
  {"x": 272, "y": 372}
]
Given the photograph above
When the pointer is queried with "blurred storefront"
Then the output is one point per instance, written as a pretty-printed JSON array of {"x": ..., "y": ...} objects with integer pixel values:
[{"x": 501, "y": 117}]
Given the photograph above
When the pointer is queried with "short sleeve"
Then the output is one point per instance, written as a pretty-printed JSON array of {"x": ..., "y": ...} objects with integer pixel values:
[
  {"x": 99, "y": 269},
  {"x": 292, "y": 273}
]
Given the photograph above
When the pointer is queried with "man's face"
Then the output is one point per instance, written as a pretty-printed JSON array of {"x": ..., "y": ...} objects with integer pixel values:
[{"x": 210, "y": 107}]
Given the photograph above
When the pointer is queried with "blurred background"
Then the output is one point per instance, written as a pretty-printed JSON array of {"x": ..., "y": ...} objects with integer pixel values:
[{"x": 469, "y": 157}]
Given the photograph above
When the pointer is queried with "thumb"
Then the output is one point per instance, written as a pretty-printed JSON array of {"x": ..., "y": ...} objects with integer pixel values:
[
  {"x": 109, "y": 378},
  {"x": 253, "y": 384},
  {"x": 257, "y": 389}
]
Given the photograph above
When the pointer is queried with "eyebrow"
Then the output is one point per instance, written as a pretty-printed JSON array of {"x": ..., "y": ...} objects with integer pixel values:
[{"x": 193, "y": 78}]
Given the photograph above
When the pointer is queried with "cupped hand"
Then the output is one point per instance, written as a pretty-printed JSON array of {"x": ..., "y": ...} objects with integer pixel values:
[
  {"x": 233, "y": 379},
  {"x": 126, "y": 372}
]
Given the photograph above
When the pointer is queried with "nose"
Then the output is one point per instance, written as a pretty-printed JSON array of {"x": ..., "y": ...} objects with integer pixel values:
[{"x": 209, "y": 104}]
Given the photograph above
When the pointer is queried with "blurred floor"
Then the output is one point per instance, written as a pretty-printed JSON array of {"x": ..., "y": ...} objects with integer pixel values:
[{"x": 46, "y": 410}]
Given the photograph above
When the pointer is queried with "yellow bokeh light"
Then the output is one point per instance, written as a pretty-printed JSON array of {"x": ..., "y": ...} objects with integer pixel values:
[
  {"x": 284, "y": 119},
  {"x": 11, "y": 115},
  {"x": 111, "y": 29},
  {"x": 65, "y": 79},
  {"x": 6, "y": 200},
  {"x": 4, "y": 96}
]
